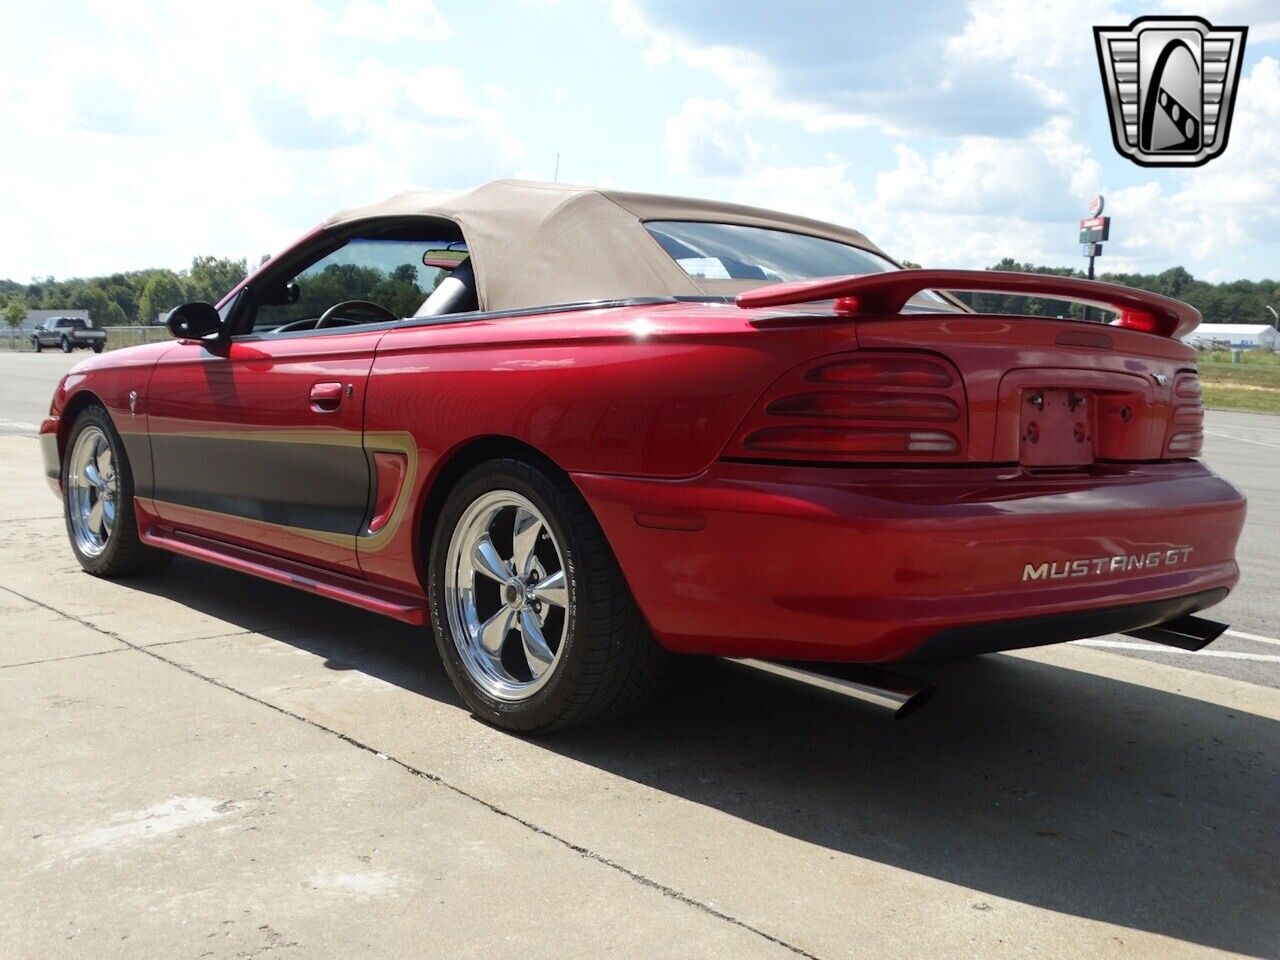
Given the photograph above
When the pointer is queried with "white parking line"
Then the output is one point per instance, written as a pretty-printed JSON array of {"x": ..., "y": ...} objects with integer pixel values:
[
  {"x": 1251, "y": 636},
  {"x": 1232, "y": 436},
  {"x": 1149, "y": 648}
]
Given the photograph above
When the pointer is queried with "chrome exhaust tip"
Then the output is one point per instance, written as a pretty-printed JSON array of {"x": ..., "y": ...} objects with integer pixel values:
[
  {"x": 899, "y": 695},
  {"x": 1185, "y": 633}
]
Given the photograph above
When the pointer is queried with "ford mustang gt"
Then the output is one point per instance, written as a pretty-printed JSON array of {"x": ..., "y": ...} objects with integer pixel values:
[{"x": 576, "y": 431}]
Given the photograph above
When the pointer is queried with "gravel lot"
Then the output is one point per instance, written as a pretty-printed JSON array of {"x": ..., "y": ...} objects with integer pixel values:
[{"x": 204, "y": 765}]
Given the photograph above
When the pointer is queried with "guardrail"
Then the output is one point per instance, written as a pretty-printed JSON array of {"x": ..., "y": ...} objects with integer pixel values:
[{"x": 117, "y": 337}]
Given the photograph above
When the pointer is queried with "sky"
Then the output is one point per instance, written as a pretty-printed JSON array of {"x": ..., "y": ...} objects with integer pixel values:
[{"x": 139, "y": 134}]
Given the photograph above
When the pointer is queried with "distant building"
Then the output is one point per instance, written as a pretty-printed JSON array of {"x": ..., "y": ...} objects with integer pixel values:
[
  {"x": 37, "y": 317},
  {"x": 1242, "y": 336}
]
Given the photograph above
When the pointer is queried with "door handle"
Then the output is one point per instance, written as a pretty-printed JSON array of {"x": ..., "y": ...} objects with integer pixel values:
[{"x": 326, "y": 397}]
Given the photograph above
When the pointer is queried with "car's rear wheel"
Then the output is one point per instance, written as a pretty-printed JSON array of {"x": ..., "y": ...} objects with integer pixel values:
[
  {"x": 97, "y": 347},
  {"x": 532, "y": 617},
  {"x": 97, "y": 494},
  {"x": 66, "y": 345}
]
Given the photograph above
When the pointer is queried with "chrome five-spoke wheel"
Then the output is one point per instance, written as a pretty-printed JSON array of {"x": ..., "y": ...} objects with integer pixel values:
[
  {"x": 92, "y": 491},
  {"x": 506, "y": 595}
]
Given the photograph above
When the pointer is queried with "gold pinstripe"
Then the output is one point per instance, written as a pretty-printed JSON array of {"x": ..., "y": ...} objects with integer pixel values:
[{"x": 377, "y": 442}]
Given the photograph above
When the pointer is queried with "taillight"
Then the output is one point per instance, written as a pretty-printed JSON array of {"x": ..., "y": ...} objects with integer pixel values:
[
  {"x": 883, "y": 371},
  {"x": 1186, "y": 419},
  {"x": 852, "y": 440},
  {"x": 869, "y": 406}
]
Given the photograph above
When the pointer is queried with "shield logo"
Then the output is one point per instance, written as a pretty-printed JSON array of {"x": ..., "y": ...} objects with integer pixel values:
[{"x": 1170, "y": 84}]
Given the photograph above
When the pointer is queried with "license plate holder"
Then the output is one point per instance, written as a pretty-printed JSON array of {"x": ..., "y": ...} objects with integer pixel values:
[{"x": 1056, "y": 428}]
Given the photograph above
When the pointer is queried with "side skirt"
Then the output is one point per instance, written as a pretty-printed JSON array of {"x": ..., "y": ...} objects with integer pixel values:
[{"x": 357, "y": 593}]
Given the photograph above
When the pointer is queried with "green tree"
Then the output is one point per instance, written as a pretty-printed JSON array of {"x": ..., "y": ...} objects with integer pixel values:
[
  {"x": 14, "y": 312},
  {"x": 210, "y": 278},
  {"x": 163, "y": 292},
  {"x": 114, "y": 317},
  {"x": 93, "y": 300}
]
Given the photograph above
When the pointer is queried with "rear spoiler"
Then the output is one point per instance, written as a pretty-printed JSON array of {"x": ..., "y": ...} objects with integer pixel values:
[{"x": 888, "y": 293}]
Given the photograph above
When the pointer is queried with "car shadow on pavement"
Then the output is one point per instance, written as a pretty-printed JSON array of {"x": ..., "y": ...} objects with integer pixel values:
[{"x": 1066, "y": 790}]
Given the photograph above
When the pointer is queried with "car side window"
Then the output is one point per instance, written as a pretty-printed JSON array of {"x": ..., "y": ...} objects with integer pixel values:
[{"x": 393, "y": 274}]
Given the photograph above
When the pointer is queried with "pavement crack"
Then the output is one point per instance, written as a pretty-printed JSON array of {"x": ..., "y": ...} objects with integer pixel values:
[
  {"x": 586, "y": 852},
  {"x": 99, "y": 653}
]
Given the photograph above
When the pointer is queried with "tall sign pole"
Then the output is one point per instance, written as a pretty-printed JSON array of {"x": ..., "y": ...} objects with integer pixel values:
[{"x": 1094, "y": 229}]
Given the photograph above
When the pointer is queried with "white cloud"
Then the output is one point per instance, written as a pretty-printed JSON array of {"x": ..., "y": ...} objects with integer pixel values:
[
  {"x": 706, "y": 139},
  {"x": 964, "y": 198},
  {"x": 281, "y": 123},
  {"x": 1229, "y": 206},
  {"x": 936, "y": 67},
  {"x": 371, "y": 20}
]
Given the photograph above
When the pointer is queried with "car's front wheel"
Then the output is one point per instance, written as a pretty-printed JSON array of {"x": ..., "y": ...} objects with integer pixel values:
[
  {"x": 97, "y": 495},
  {"x": 532, "y": 617}
]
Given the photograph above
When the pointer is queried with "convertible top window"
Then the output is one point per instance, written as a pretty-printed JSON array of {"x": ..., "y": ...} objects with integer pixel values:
[
  {"x": 730, "y": 251},
  {"x": 727, "y": 251}
]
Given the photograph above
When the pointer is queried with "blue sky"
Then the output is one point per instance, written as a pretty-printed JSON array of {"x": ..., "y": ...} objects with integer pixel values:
[{"x": 140, "y": 134}]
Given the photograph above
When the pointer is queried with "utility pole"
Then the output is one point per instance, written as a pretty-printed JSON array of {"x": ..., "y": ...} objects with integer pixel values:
[
  {"x": 556, "y": 178},
  {"x": 1094, "y": 229}
]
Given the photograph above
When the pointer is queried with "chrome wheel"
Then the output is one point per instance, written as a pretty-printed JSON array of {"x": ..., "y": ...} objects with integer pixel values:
[
  {"x": 506, "y": 595},
  {"x": 93, "y": 491}
]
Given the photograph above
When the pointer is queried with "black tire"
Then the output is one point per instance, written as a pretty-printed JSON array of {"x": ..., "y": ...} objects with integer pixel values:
[
  {"x": 66, "y": 345},
  {"x": 125, "y": 555},
  {"x": 609, "y": 661},
  {"x": 97, "y": 347},
  {"x": 36, "y": 345}
]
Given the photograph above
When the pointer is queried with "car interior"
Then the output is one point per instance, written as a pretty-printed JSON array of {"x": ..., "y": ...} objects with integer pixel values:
[{"x": 385, "y": 277}]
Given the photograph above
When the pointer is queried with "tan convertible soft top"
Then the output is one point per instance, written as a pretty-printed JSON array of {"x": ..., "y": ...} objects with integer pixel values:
[{"x": 534, "y": 244}]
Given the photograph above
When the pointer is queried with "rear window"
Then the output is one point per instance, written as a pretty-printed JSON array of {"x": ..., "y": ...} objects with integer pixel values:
[
  {"x": 74, "y": 322},
  {"x": 730, "y": 251},
  {"x": 727, "y": 251}
]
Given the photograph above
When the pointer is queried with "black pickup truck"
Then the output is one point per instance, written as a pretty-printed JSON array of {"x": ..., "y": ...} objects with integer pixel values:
[{"x": 68, "y": 333}]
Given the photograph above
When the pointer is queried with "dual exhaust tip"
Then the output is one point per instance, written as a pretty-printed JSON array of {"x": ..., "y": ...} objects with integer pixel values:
[
  {"x": 896, "y": 694},
  {"x": 900, "y": 696}
]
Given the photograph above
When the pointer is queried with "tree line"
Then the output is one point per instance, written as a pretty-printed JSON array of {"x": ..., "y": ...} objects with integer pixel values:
[
  {"x": 139, "y": 296},
  {"x": 1234, "y": 301},
  {"x": 136, "y": 297}
]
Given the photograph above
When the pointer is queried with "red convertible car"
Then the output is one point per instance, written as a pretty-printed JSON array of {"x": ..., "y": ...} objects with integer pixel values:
[{"x": 578, "y": 430}]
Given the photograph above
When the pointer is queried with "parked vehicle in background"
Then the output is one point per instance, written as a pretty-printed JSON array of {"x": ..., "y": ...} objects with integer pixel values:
[{"x": 67, "y": 334}]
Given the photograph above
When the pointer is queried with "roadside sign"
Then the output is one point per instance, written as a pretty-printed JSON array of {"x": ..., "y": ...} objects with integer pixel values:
[
  {"x": 1092, "y": 249},
  {"x": 1096, "y": 205},
  {"x": 1095, "y": 229}
]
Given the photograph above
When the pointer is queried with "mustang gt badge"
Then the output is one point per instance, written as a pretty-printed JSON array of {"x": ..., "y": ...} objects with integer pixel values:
[
  {"x": 1099, "y": 566},
  {"x": 1170, "y": 84}
]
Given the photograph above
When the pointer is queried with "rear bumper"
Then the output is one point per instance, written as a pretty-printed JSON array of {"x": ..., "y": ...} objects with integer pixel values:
[{"x": 876, "y": 564}]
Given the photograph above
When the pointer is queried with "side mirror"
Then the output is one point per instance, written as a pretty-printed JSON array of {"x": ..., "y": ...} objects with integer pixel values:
[{"x": 194, "y": 321}]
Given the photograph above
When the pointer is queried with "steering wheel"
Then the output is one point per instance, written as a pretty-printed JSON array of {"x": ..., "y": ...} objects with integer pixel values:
[{"x": 364, "y": 306}]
